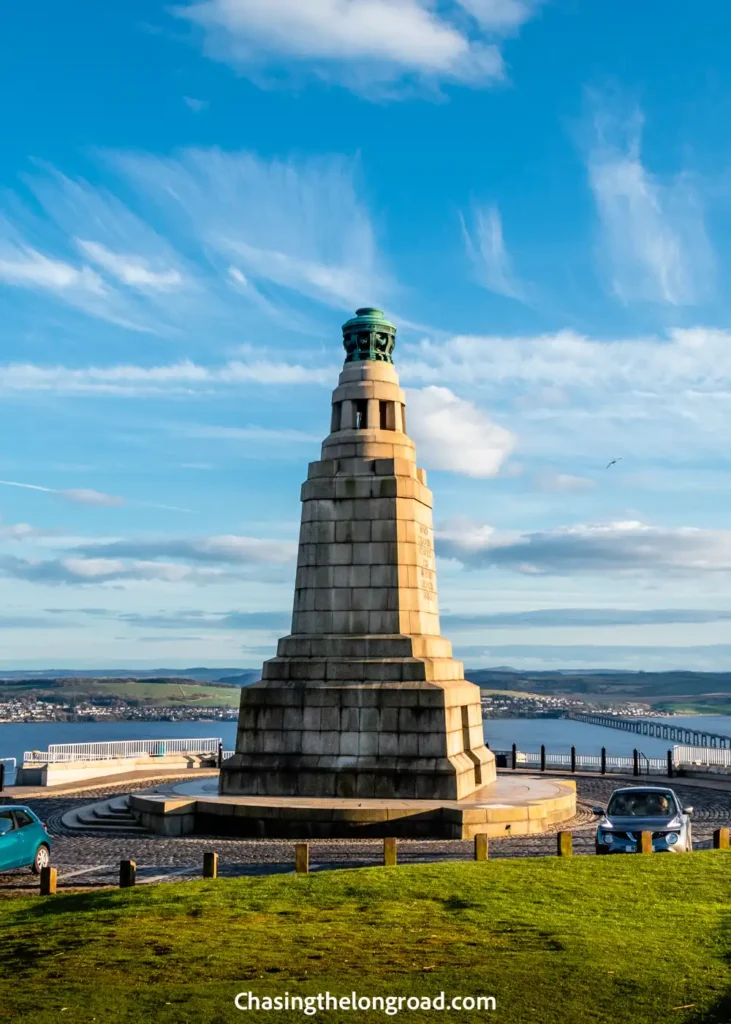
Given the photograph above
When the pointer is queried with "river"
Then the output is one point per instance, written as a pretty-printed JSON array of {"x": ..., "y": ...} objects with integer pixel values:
[{"x": 558, "y": 734}]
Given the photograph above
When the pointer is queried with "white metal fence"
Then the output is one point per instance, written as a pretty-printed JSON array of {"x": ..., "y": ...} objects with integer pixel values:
[
  {"x": 10, "y": 767},
  {"x": 716, "y": 756},
  {"x": 589, "y": 762},
  {"x": 123, "y": 748}
]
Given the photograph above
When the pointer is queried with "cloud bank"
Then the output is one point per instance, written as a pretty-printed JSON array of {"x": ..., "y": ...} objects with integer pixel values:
[
  {"x": 366, "y": 45},
  {"x": 453, "y": 434},
  {"x": 614, "y": 548}
]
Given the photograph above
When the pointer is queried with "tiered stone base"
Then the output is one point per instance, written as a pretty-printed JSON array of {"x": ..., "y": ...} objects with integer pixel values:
[
  {"x": 518, "y": 806},
  {"x": 363, "y": 726}
]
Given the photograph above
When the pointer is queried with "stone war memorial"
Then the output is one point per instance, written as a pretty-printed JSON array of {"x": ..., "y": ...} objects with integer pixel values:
[{"x": 363, "y": 723}]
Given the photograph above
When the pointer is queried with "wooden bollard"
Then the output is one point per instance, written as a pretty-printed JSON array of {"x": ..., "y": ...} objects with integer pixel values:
[
  {"x": 127, "y": 874},
  {"x": 644, "y": 844},
  {"x": 210, "y": 864},
  {"x": 389, "y": 852},
  {"x": 564, "y": 844},
  {"x": 302, "y": 858},
  {"x": 48, "y": 881},
  {"x": 481, "y": 846},
  {"x": 721, "y": 839}
]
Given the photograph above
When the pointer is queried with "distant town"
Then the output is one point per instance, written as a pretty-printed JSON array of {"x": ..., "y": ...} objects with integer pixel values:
[
  {"x": 494, "y": 705},
  {"x": 500, "y": 705},
  {"x": 29, "y": 710},
  {"x": 199, "y": 693}
]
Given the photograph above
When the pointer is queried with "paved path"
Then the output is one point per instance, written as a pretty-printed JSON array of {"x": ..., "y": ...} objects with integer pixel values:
[{"x": 90, "y": 860}]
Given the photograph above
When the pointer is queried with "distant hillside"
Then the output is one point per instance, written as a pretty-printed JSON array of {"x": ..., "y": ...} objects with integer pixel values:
[
  {"x": 153, "y": 692},
  {"x": 650, "y": 687}
]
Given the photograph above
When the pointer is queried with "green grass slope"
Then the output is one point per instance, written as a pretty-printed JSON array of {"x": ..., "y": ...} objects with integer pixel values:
[
  {"x": 642, "y": 940},
  {"x": 155, "y": 692}
]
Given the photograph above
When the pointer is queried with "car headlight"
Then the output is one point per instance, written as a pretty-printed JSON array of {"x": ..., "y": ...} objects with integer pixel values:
[
  {"x": 606, "y": 837},
  {"x": 672, "y": 838}
]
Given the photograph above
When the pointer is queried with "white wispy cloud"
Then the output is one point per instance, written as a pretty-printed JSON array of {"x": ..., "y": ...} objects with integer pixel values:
[
  {"x": 88, "y": 571},
  {"x": 300, "y": 226},
  {"x": 130, "y": 269},
  {"x": 486, "y": 249},
  {"x": 453, "y": 434},
  {"x": 361, "y": 43},
  {"x": 175, "y": 378},
  {"x": 28, "y": 268},
  {"x": 252, "y": 433},
  {"x": 501, "y": 15},
  {"x": 116, "y": 271},
  {"x": 564, "y": 483},
  {"x": 88, "y": 496},
  {"x": 257, "y": 234},
  {"x": 229, "y": 549},
  {"x": 654, "y": 244},
  {"x": 200, "y": 561},
  {"x": 78, "y": 496},
  {"x": 194, "y": 104},
  {"x": 22, "y": 532},
  {"x": 601, "y": 548},
  {"x": 588, "y": 617},
  {"x": 661, "y": 396}
]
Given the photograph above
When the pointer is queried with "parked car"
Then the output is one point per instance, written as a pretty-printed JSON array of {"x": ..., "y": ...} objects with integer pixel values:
[
  {"x": 636, "y": 809},
  {"x": 24, "y": 840}
]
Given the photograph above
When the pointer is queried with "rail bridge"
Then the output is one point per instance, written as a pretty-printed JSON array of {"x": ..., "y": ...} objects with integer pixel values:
[{"x": 655, "y": 727}]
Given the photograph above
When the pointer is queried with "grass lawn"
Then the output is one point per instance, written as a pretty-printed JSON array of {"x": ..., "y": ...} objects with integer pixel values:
[
  {"x": 697, "y": 706},
  {"x": 171, "y": 693},
  {"x": 554, "y": 941}
]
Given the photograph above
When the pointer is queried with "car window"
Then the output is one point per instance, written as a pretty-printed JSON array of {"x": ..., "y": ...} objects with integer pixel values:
[
  {"x": 642, "y": 804},
  {"x": 6, "y": 821},
  {"x": 22, "y": 818}
]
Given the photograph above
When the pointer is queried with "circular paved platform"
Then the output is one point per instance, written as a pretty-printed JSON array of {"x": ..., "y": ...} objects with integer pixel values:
[{"x": 513, "y": 805}]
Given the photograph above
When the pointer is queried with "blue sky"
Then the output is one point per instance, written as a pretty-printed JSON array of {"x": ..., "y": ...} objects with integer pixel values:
[{"x": 194, "y": 197}]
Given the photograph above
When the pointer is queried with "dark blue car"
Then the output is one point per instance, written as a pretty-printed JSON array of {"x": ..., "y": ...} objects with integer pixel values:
[{"x": 24, "y": 841}]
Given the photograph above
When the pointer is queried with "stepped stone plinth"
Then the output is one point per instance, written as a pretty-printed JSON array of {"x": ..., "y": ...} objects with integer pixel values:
[{"x": 363, "y": 699}]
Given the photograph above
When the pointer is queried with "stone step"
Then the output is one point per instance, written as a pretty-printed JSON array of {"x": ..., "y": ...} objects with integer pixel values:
[
  {"x": 117, "y": 818},
  {"x": 121, "y": 804},
  {"x": 87, "y": 820}
]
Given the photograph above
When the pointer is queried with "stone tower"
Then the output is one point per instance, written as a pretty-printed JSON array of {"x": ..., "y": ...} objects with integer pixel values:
[{"x": 363, "y": 698}]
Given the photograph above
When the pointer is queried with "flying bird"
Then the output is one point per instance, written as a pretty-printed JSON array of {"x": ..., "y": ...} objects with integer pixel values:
[{"x": 614, "y": 462}]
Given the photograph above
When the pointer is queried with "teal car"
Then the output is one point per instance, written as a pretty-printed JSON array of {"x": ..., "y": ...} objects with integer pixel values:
[{"x": 24, "y": 841}]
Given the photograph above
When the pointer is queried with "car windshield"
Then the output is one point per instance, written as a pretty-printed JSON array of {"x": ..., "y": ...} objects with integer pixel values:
[{"x": 642, "y": 804}]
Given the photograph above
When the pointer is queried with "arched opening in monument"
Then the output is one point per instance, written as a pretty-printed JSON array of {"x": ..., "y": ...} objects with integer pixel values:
[{"x": 361, "y": 414}]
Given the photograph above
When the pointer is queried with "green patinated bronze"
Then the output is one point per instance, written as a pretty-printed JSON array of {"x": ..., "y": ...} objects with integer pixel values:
[{"x": 368, "y": 335}]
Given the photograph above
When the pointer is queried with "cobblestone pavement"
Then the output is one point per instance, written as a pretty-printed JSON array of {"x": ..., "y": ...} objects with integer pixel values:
[{"x": 92, "y": 859}]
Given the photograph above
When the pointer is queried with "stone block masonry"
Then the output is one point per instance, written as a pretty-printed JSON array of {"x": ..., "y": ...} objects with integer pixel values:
[{"x": 363, "y": 699}]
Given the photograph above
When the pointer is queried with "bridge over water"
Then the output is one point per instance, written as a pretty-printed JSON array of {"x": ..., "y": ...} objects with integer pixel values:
[{"x": 655, "y": 727}]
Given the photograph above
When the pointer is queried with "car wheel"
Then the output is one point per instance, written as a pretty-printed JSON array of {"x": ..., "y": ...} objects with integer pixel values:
[{"x": 41, "y": 860}]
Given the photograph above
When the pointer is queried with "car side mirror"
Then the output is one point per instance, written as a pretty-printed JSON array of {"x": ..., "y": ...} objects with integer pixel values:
[
  {"x": 597, "y": 810},
  {"x": 4, "y": 829},
  {"x": 687, "y": 810}
]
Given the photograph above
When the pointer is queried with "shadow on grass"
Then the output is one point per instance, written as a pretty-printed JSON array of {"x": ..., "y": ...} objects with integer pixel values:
[
  {"x": 720, "y": 1012},
  {"x": 75, "y": 903}
]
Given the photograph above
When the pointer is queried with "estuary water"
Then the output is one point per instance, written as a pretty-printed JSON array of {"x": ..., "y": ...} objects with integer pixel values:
[{"x": 558, "y": 734}]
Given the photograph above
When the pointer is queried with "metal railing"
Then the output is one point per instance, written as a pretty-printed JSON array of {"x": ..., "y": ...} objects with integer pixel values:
[
  {"x": 585, "y": 762},
  {"x": 717, "y": 756},
  {"x": 8, "y": 767},
  {"x": 61, "y": 752}
]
